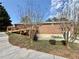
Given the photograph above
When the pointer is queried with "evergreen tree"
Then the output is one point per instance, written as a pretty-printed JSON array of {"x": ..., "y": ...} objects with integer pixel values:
[{"x": 4, "y": 19}]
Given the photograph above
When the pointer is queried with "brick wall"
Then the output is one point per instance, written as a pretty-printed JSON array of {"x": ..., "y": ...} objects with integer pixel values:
[
  {"x": 54, "y": 28},
  {"x": 49, "y": 29},
  {"x": 45, "y": 28}
]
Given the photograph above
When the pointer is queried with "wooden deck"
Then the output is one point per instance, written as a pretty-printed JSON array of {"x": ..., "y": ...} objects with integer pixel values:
[{"x": 11, "y": 29}]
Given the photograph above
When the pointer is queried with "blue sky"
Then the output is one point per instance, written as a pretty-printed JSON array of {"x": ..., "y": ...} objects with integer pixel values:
[{"x": 47, "y": 7}]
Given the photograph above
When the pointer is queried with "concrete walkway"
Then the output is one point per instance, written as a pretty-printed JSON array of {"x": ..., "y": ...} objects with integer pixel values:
[{"x": 7, "y": 51}]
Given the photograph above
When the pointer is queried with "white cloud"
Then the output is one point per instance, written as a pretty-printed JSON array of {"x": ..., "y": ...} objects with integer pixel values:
[
  {"x": 58, "y": 6},
  {"x": 55, "y": 5}
]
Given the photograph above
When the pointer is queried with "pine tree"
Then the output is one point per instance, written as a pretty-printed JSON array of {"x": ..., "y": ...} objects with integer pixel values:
[{"x": 4, "y": 19}]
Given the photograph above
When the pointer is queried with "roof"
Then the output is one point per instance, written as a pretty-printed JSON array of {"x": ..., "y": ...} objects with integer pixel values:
[{"x": 56, "y": 22}]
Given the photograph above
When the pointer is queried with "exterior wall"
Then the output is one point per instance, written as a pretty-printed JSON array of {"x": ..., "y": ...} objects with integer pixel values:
[
  {"x": 50, "y": 29},
  {"x": 47, "y": 31},
  {"x": 45, "y": 28},
  {"x": 50, "y": 36},
  {"x": 21, "y": 26}
]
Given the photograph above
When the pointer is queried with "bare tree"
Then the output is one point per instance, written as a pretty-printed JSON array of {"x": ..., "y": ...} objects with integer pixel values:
[
  {"x": 32, "y": 16},
  {"x": 71, "y": 12},
  {"x": 66, "y": 28},
  {"x": 75, "y": 20}
]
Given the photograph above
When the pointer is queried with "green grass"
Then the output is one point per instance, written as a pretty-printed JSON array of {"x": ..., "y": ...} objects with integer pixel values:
[
  {"x": 58, "y": 37},
  {"x": 43, "y": 45},
  {"x": 19, "y": 40}
]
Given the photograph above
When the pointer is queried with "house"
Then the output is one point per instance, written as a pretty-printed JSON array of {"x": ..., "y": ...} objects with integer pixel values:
[
  {"x": 52, "y": 29},
  {"x": 48, "y": 29}
]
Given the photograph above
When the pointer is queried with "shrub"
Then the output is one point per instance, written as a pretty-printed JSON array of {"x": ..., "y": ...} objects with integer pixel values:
[
  {"x": 53, "y": 42},
  {"x": 63, "y": 42},
  {"x": 35, "y": 38}
]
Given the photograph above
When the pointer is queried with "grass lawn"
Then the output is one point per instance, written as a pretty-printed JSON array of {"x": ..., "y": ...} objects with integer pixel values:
[
  {"x": 44, "y": 46},
  {"x": 19, "y": 40}
]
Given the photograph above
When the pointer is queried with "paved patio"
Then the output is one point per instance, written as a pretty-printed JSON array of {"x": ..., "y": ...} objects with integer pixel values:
[{"x": 8, "y": 51}]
